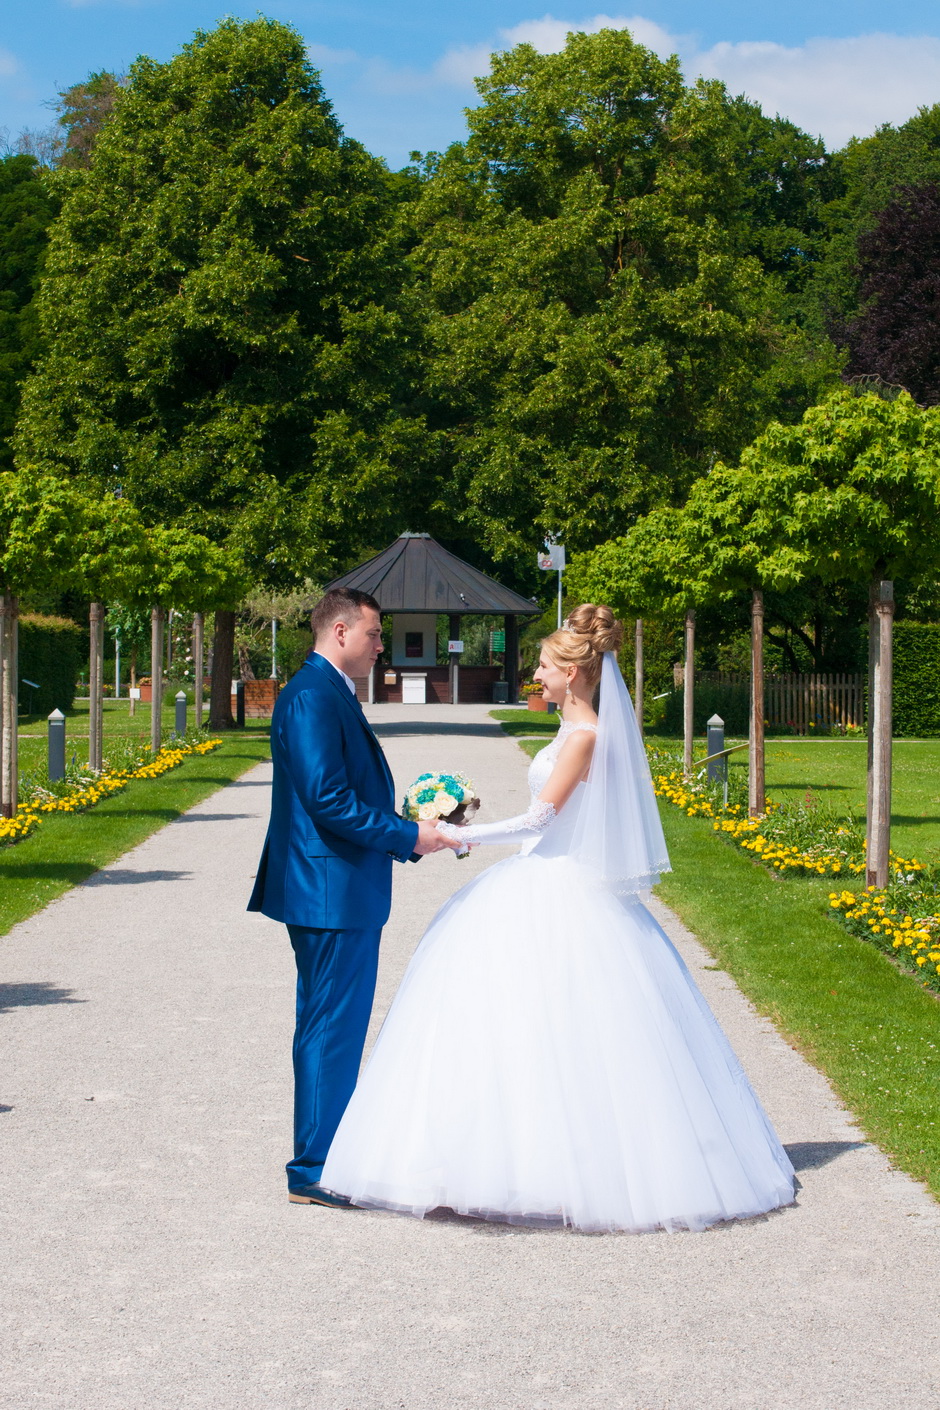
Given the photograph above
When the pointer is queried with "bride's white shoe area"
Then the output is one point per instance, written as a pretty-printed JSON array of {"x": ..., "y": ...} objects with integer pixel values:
[{"x": 548, "y": 1058}]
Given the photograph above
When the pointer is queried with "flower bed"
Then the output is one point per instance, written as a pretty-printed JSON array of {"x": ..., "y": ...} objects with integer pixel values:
[
  {"x": 810, "y": 839},
  {"x": 78, "y": 794},
  {"x": 903, "y": 920}
]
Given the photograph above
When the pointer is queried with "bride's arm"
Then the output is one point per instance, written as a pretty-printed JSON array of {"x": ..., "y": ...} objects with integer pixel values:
[{"x": 573, "y": 762}]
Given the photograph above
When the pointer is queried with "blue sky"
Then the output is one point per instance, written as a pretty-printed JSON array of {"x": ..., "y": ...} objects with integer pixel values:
[{"x": 400, "y": 75}]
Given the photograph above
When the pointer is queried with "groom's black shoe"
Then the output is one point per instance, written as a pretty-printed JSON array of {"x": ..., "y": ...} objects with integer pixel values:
[{"x": 316, "y": 1194}]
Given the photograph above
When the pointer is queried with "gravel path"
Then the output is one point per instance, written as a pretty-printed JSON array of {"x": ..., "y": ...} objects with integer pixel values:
[{"x": 152, "y": 1262}]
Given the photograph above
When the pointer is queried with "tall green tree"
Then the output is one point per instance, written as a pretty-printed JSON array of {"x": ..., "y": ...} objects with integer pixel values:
[
  {"x": 863, "y": 179},
  {"x": 27, "y": 205},
  {"x": 83, "y": 109},
  {"x": 603, "y": 319},
  {"x": 217, "y": 285}
]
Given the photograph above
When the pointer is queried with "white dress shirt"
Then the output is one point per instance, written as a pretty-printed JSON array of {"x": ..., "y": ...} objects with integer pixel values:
[{"x": 348, "y": 679}]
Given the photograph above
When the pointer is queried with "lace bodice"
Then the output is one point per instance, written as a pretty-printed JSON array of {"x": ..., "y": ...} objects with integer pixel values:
[
  {"x": 528, "y": 827},
  {"x": 540, "y": 769}
]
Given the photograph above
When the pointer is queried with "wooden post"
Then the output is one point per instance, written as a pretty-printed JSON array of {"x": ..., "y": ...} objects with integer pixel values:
[
  {"x": 511, "y": 655},
  {"x": 756, "y": 792},
  {"x": 688, "y": 690},
  {"x": 156, "y": 678},
  {"x": 638, "y": 689},
  {"x": 9, "y": 776},
  {"x": 879, "y": 790},
  {"x": 199, "y": 664},
  {"x": 95, "y": 665}
]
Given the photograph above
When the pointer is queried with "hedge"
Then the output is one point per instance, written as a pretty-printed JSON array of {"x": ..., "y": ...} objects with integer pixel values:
[
  {"x": 51, "y": 650},
  {"x": 731, "y": 702},
  {"x": 917, "y": 679}
]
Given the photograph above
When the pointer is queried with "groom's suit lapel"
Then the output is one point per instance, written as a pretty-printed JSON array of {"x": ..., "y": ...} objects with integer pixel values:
[{"x": 351, "y": 703}]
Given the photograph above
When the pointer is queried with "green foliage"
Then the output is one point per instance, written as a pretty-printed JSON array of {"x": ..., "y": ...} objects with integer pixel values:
[
  {"x": 862, "y": 476},
  {"x": 27, "y": 205},
  {"x": 916, "y": 707},
  {"x": 216, "y": 282},
  {"x": 731, "y": 702},
  {"x": 864, "y": 178},
  {"x": 83, "y": 110},
  {"x": 51, "y": 651},
  {"x": 600, "y": 327}
]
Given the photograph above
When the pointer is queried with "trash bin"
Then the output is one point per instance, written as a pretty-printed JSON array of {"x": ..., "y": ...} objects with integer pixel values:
[{"x": 500, "y": 692}]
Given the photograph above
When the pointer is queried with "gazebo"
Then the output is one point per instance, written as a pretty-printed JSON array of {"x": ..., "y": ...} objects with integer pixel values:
[{"x": 413, "y": 581}]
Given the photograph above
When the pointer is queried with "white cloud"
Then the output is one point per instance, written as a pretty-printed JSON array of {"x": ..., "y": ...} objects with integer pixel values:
[
  {"x": 8, "y": 64},
  {"x": 839, "y": 88}
]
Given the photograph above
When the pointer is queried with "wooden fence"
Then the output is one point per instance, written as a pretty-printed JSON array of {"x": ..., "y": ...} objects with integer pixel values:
[{"x": 804, "y": 702}]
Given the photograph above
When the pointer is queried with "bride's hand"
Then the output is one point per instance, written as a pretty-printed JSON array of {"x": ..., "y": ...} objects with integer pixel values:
[{"x": 449, "y": 831}]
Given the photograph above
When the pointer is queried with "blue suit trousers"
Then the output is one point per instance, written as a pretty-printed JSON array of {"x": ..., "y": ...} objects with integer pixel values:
[{"x": 336, "y": 972}]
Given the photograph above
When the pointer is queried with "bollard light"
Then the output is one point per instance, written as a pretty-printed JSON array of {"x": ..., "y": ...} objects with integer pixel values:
[
  {"x": 715, "y": 743},
  {"x": 180, "y": 721},
  {"x": 240, "y": 704},
  {"x": 56, "y": 754}
]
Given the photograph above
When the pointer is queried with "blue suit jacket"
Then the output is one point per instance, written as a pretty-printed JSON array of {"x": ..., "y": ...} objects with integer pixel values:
[{"x": 327, "y": 859}]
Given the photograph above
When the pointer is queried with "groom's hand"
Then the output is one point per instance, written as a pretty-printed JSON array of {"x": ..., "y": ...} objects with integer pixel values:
[{"x": 430, "y": 840}]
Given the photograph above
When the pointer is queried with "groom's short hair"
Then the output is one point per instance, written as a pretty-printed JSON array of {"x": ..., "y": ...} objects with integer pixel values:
[{"x": 339, "y": 605}]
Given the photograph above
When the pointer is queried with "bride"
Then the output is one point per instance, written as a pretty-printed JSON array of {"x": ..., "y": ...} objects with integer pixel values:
[{"x": 548, "y": 1058}]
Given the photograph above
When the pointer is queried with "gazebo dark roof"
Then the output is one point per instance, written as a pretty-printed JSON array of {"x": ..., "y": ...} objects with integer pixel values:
[{"x": 415, "y": 574}]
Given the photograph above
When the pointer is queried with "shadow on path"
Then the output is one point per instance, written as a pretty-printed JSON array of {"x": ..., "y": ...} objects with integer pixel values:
[
  {"x": 410, "y": 727},
  {"x": 18, "y": 996},
  {"x": 811, "y": 1155},
  {"x": 135, "y": 878},
  {"x": 212, "y": 817}
]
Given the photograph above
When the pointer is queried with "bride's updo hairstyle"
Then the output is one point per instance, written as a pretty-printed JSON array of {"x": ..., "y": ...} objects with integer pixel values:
[{"x": 589, "y": 631}]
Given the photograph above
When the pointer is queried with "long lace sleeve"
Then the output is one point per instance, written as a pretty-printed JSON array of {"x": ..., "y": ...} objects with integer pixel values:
[{"x": 531, "y": 823}]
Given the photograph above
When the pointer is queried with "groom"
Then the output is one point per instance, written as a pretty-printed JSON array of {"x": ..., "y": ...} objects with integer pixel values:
[{"x": 326, "y": 868}]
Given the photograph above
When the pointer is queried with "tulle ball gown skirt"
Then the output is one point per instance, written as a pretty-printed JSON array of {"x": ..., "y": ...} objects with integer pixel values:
[{"x": 549, "y": 1060}]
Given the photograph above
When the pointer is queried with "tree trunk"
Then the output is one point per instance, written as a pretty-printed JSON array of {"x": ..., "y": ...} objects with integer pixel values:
[
  {"x": 880, "y": 688},
  {"x": 223, "y": 652},
  {"x": 245, "y": 671},
  {"x": 157, "y": 623},
  {"x": 9, "y": 683},
  {"x": 132, "y": 708},
  {"x": 198, "y": 664},
  {"x": 688, "y": 691},
  {"x": 95, "y": 691},
  {"x": 756, "y": 793},
  {"x": 638, "y": 688}
]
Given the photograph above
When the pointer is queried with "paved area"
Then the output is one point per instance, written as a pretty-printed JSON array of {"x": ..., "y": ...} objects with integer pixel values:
[{"x": 152, "y": 1262}]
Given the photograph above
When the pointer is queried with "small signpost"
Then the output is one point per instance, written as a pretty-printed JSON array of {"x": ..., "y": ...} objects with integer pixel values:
[{"x": 553, "y": 561}]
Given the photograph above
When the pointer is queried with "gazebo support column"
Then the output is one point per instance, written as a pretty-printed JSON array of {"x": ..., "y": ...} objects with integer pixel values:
[
  {"x": 453, "y": 631},
  {"x": 511, "y": 656}
]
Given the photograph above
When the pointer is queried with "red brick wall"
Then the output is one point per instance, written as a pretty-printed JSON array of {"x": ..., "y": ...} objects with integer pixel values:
[{"x": 259, "y": 699}]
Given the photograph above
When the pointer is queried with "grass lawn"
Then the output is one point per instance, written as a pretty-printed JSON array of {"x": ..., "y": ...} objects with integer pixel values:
[
  {"x": 870, "y": 1028},
  {"x": 119, "y": 724},
  {"x": 65, "y": 850}
]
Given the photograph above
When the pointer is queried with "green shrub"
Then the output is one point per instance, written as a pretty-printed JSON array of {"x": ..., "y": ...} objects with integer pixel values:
[
  {"x": 917, "y": 679},
  {"x": 51, "y": 649},
  {"x": 731, "y": 702}
]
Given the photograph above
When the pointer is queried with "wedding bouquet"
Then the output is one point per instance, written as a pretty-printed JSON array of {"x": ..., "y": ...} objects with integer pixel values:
[{"x": 434, "y": 796}]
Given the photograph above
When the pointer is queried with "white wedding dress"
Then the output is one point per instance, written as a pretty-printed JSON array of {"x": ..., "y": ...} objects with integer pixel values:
[{"x": 548, "y": 1059}]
